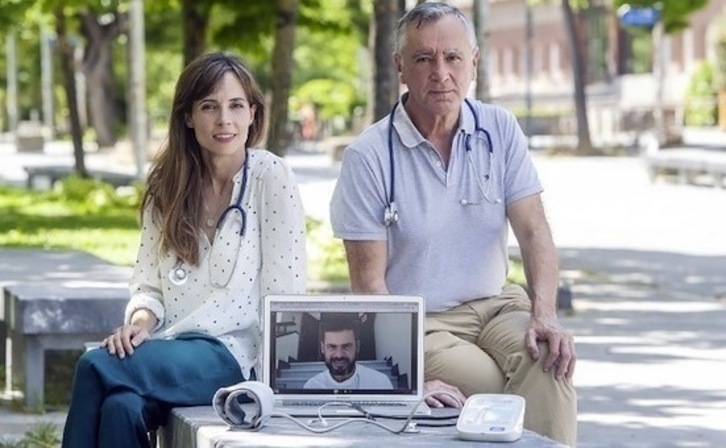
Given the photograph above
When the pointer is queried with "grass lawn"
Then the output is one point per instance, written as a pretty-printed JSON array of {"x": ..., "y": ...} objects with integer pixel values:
[
  {"x": 103, "y": 225},
  {"x": 90, "y": 216},
  {"x": 87, "y": 216}
]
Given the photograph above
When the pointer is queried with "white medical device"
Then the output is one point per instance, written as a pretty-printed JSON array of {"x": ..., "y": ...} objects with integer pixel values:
[{"x": 492, "y": 418}]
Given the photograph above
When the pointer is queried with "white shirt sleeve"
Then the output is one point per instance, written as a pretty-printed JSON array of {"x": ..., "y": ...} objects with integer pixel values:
[
  {"x": 283, "y": 232},
  {"x": 145, "y": 283}
]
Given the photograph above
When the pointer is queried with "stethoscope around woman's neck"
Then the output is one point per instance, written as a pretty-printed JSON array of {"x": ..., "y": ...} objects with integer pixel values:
[
  {"x": 390, "y": 212},
  {"x": 178, "y": 275}
]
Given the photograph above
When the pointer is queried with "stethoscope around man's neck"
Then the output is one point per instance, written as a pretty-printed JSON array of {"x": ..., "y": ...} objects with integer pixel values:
[{"x": 390, "y": 212}]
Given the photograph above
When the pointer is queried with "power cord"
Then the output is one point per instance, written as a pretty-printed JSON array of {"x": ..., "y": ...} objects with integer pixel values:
[
  {"x": 227, "y": 403},
  {"x": 409, "y": 426}
]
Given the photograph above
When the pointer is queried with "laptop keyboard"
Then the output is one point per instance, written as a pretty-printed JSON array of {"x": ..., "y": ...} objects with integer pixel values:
[{"x": 366, "y": 403}]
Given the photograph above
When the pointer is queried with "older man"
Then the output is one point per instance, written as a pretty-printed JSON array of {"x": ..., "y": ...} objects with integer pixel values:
[{"x": 423, "y": 204}]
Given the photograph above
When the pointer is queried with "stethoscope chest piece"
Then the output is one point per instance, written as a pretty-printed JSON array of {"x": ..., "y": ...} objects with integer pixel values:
[
  {"x": 178, "y": 275},
  {"x": 390, "y": 214}
]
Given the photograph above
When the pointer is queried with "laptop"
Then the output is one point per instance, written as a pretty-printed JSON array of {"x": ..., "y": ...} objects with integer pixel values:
[{"x": 373, "y": 345}]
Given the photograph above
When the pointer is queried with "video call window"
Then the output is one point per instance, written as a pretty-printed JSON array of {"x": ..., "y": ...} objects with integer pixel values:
[{"x": 344, "y": 352}]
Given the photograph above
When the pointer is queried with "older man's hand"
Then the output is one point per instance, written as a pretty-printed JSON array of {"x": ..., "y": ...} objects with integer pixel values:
[
  {"x": 562, "y": 355},
  {"x": 443, "y": 395}
]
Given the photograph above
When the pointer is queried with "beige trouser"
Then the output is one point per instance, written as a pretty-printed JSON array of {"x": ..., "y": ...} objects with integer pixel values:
[{"x": 480, "y": 348}]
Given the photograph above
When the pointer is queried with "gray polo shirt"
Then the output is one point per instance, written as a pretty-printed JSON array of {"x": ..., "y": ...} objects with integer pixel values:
[{"x": 450, "y": 242}]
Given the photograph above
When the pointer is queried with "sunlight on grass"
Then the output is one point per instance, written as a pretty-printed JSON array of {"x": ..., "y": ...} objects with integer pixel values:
[
  {"x": 51, "y": 220},
  {"x": 89, "y": 216},
  {"x": 86, "y": 216}
]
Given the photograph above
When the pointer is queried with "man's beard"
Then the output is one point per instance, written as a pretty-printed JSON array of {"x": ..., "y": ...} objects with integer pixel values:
[{"x": 338, "y": 368}]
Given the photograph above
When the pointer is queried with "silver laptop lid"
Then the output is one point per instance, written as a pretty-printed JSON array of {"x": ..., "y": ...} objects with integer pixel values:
[{"x": 301, "y": 331}]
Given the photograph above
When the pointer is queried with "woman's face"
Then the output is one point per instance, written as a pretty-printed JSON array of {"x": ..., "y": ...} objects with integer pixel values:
[{"x": 221, "y": 120}]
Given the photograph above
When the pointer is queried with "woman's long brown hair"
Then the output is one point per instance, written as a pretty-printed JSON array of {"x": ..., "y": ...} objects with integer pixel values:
[{"x": 174, "y": 185}]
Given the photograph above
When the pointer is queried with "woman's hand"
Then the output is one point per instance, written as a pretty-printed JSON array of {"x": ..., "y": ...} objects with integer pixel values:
[
  {"x": 123, "y": 341},
  {"x": 129, "y": 336},
  {"x": 444, "y": 395}
]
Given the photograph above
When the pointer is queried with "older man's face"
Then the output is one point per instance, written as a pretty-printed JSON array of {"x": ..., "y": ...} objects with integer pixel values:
[{"x": 438, "y": 64}]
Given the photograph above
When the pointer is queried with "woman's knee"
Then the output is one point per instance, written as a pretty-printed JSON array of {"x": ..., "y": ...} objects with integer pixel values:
[
  {"x": 89, "y": 360},
  {"x": 122, "y": 405}
]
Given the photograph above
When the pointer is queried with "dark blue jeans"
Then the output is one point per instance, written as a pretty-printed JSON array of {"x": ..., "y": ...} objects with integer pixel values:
[{"x": 115, "y": 402}]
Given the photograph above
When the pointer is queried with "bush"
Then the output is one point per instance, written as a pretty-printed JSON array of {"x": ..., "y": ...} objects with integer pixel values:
[
  {"x": 43, "y": 435},
  {"x": 95, "y": 196},
  {"x": 701, "y": 97},
  {"x": 720, "y": 69},
  {"x": 326, "y": 255}
]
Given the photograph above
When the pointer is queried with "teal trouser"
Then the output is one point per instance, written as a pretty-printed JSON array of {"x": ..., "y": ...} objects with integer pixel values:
[
  {"x": 480, "y": 348},
  {"x": 115, "y": 402}
]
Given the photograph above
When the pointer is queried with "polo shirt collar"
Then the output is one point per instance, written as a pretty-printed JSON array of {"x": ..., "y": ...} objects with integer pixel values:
[{"x": 411, "y": 137}]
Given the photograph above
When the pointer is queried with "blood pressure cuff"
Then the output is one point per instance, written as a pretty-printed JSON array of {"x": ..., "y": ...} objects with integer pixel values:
[{"x": 228, "y": 401}]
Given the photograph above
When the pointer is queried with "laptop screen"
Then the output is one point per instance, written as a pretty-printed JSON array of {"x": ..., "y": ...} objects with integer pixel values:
[{"x": 344, "y": 345}]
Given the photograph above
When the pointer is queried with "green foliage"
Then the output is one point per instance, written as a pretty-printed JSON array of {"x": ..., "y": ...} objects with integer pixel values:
[
  {"x": 675, "y": 12},
  {"x": 12, "y": 12},
  {"x": 65, "y": 219},
  {"x": 700, "y": 97},
  {"x": 43, "y": 435},
  {"x": 330, "y": 79},
  {"x": 94, "y": 196},
  {"x": 326, "y": 255},
  {"x": 330, "y": 36},
  {"x": 720, "y": 69},
  {"x": 642, "y": 47},
  {"x": 516, "y": 272},
  {"x": 87, "y": 215}
]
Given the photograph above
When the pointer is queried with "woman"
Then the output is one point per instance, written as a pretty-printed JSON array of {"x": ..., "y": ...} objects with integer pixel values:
[{"x": 222, "y": 226}]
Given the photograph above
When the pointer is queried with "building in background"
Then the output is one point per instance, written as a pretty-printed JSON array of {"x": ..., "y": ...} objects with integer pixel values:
[{"x": 622, "y": 90}]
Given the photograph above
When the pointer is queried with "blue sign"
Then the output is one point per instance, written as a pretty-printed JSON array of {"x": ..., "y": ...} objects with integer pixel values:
[{"x": 638, "y": 16}]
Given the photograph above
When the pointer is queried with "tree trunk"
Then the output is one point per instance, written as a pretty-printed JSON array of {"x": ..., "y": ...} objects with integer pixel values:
[
  {"x": 278, "y": 136},
  {"x": 98, "y": 69},
  {"x": 481, "y": 12},
  {"x": 385, "y": 76},
  {"x": 584, "y": 145},
  {"x": 195, "y": 17},
  {"x": 65, "y": 51}
]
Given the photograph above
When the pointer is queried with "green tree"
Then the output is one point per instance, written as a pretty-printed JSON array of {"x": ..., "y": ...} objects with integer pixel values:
[
  {"x": 574, "y": 39},
  {"x": 263, "y": 31},
  {"x": 385, "y": 78},
  {"x": 675, "y": 13},
  {"x": 331, "y": 70},
  {"x": 195, "y": 20},
  {"x": 570, "y": 11},
  {"x": 481, "y": 15},
  {"x": 101, "y": 28}
]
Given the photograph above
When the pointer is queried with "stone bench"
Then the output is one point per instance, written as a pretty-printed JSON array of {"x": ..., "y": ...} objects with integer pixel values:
[
  {"x": 29, "y": 137},
  {"x": 689, "y": 163},
  {"x": 54, "y": 300},
  {"x": 42, "y": 177},
  {"x": 201, "y": 427}
]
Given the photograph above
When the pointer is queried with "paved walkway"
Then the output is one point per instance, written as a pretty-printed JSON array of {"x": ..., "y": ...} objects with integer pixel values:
[{"x": 647, "y": 264}]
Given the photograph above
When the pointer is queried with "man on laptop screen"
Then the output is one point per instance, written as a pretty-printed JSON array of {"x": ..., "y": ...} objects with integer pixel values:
[{"x": 340, "y": 346}]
